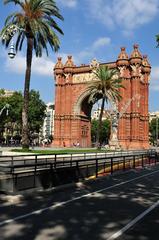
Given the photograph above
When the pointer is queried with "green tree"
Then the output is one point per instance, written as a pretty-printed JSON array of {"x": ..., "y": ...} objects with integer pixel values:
[
  {"x": 154, "y": 130},
  {"x": 36, "y": 112},
  {"x": 104, "y": 133},
  {"x": 35, "y": 23},
  {"x": 11, "y": 117},
  {"x": 2, "y": 92},
  {"x": 94, "y": 127},
  {"x": 157, "y": 40},
  {"x": 13, "y": 121},
  {"x": 2, "y": 115},
  {"x": 15, "y": 102},
  {"x": 105, "y": 86}
]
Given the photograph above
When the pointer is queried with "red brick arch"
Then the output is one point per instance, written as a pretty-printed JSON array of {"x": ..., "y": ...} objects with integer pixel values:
[{"x": 72, "y": 111}]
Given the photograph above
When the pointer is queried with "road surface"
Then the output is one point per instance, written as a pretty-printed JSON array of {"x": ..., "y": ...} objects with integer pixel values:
[{"x": 119, "y": 207}]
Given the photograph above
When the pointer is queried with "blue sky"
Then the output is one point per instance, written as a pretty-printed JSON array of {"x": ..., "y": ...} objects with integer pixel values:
[{"x": 92, "y": 29}]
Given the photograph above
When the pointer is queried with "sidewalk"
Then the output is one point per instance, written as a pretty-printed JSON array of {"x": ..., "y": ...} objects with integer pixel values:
[{"x": 6, "y": 151}]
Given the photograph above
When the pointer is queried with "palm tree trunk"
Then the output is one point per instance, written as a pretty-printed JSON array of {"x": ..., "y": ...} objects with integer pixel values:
[
  {"x": 25, "y": 129},
  {"x": 100, "y": 123}
]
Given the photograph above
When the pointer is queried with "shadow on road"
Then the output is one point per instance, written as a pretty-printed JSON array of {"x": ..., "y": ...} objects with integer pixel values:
[{"x": 95, "y": 216}]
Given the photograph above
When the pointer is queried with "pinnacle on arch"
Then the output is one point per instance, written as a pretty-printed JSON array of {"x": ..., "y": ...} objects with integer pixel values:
[
  {"x": 123, "y": 54},
  {"x": 145, "y": 61},
  {"x": 136, "y": 53},
  {"x": 146, "y": 65},
  {"x": 69, "y": 62},
  {"x": 59, "y": 63},
  {"x": 123, "y": 58}
]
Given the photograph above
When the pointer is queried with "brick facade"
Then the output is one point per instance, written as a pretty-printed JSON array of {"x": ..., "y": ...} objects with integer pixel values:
[{"x": 73, "y": 113}]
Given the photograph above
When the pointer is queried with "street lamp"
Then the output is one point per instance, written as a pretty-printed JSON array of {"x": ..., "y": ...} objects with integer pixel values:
[
  {"x": 156, "y": 130},
  {"x": 10, "y": 32},
  {"x": 12, "y": 52}
]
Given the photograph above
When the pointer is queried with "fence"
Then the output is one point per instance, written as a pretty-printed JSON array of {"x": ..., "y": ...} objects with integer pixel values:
[{"x": 34, "y": 171}]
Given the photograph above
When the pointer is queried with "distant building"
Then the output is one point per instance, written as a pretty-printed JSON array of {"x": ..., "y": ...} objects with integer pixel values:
[
  {"x": 48, "y": 125},
  {"x": 153, "y": 115},
  {"x": 6, "y": 93},
  {"x": 96, "y": 113}
]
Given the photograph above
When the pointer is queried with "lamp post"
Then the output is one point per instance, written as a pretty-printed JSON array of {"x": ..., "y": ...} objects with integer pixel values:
[
  {"x": 12, "y": 52},
  {"x": 11, "y": 31},
  {"x": 6, "y": 106},
  {"x": 156, "y": 130}
]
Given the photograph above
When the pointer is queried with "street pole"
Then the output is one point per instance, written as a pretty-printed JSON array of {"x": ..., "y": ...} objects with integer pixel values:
[
  {"x": 156, "y": 130},
  {"x": 5, "y": 107}
]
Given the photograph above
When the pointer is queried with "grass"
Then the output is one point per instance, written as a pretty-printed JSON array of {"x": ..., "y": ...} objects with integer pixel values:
[{"x": 62, "y": 151}]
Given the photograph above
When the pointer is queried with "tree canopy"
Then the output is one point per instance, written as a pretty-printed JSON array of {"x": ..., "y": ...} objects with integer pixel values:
[
  {"x": 105, "y": 86},
  {"x": 36, "y": 111},
  {"x": 34, "y": 19},
  {"x": 14, "y": 118},
  {"x": 34, "y": 22},
  {"x": 154, "y": 131},
  {"x": 105, "y": 131}
]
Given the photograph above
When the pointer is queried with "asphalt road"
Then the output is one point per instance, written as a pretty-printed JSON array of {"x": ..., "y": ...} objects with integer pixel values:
[{"x": 120, "y": 207}]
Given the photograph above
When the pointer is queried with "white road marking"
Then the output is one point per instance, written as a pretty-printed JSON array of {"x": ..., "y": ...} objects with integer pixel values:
[
  {"x": 133, "y": 222},
  {"x": 72, "y": 200}
]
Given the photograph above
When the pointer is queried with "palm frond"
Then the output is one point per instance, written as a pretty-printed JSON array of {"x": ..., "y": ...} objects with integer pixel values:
[
  {"x": 107, "y": 84},
  {"x": 37, "y": 21},
  {"x": 157, "y": 40}
]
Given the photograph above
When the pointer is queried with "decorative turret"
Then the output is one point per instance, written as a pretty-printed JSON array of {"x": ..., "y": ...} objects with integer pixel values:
[
  {"x": 146, "y": 66},
  {"x": 58, "y": 69},
  {"x": 135, "y": 57},
  {"x": 123, "y": 58},
  {"x": 69, "y": 65}
]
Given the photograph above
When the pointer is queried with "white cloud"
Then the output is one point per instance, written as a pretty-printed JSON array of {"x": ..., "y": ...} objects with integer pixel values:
[
  {"x": 96, "y": 45},
  {"x": 101, "y": 10},
  {"x": 84, "y": 55},
  {"x": 126, "y": 14},
  {"x": 101, "y": 42},
  {"x": 68, "y": 3},
  {"x": 40, "y": 66},
  {"x": 133, "y": 14},
  {"x": 43, "y": 66},
  {"x": 87, "y": 53},
  {"x": 16, "y": 65},
  {"x": 154, "y": 81}
]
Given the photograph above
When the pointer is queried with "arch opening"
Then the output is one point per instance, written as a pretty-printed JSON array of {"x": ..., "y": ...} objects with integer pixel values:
[{"x": 90, "y": 112}]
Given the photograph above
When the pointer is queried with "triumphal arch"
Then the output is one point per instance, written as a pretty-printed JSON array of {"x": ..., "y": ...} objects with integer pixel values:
[{"x": 73, "y": 110}]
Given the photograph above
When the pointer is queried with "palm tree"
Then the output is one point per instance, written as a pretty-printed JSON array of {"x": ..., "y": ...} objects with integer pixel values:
[
  {"x": 35, "y": 23},
  {"x": 105, "y": 86},
  {"x": 157, "y": 40}
]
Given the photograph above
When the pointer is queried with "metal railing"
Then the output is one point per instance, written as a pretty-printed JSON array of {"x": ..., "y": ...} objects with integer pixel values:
[{"x": 72, "y": 167}]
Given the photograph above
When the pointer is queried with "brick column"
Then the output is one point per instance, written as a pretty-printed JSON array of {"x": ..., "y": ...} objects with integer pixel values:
[{"x": 135, "y": 112}]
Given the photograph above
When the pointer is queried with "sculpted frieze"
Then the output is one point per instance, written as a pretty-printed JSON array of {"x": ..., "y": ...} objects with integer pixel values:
[
  {"x": 124, "y": 72},
  {"x": 136, "y": 70},
  {"x": 83, "y": 77}
]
